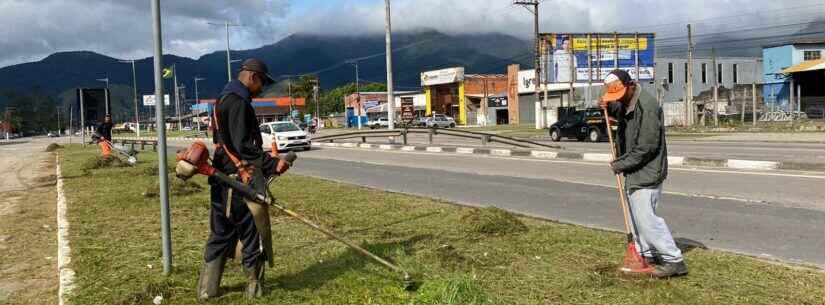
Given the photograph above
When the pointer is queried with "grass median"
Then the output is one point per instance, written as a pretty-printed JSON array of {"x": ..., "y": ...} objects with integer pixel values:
[{"x": 459, "y": 255}]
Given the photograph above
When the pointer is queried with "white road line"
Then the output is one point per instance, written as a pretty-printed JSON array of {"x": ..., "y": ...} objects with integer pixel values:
[{"x": 65, "y": 273}]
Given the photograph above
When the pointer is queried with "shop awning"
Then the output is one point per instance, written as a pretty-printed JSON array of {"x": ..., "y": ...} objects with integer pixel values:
[{"x": 805, "y": 66}]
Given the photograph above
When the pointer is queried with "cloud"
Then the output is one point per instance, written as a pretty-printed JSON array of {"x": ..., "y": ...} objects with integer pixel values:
[{"x": 122, "y": 28}]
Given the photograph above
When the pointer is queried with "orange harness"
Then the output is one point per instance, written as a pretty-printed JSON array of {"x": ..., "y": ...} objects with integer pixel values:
[{"x": 244, "y": 170}]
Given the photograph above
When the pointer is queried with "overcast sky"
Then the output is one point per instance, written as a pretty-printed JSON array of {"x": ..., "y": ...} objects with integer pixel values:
[{"x": 33, "y": 29}]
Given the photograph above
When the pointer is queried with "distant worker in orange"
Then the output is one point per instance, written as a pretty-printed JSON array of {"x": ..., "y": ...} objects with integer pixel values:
[{"x": 104, "y": 130}]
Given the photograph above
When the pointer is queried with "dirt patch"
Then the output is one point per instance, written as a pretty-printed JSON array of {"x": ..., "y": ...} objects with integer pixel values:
[
  {"x": 493, "y": 221},
  {"x": 45, "y": 180},
  {"x": 177, "y": 187},
  {"x": 52, "y": 147},
  {"x": 102, "y": 162},
  {"x": 146, "y": 296}
]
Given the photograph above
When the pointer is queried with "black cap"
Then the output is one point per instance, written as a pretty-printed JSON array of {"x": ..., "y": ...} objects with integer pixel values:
[{"x": 258, "y": 66}]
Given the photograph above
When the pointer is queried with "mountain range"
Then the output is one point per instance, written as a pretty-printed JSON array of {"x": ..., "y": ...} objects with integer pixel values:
[{"x": 297, "y": 54}]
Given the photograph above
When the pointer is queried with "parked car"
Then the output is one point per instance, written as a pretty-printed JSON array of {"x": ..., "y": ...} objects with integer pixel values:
[
  {"x": 286, "y": 134},
  {"x": 582, "y": 125},
  {"x": 378, "y": 123},
  {"x": 439, "y": 120},
  {"x": 52, "y": 134}
]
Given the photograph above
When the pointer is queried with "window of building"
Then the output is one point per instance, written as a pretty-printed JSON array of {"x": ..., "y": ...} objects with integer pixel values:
[
  {"x": 686, "y": 73},
  {"x": 670, "y": 73},
  {"x": 719, "y": 73},
  {"x": 812, "y": 55},
  {"x": 735, "y": 73},
  {"x": 704, "y": 73}
]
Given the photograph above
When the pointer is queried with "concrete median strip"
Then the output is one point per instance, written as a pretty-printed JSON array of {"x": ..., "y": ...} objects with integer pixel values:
[{"x": 678, "y": 161}]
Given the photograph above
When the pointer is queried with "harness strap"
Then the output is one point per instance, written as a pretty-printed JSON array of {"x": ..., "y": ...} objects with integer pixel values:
[{"x": 243, "y": 172}]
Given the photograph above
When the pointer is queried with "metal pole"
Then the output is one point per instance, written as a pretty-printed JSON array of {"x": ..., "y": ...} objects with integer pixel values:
[
  {"x": 82, "y": 120},
  {"x": 390, "y": 93},
  {"x": 689, "y": 94},
  {"x": 177, "y": 94},
  {"x": 197, "y": 102},
  {"x": 716, "y": 73},
  {"x": 134, "y": 85},
  {"x": 106, "y": 94},
  {"x": 166, "y": 235},
  {"x": 58, "y": 121},
  {"x": 536, "y": 63},
  {"x": 358, "y": 94},
  {"x": 753, "y": 101},
  {"x": 228, "y": 59}
]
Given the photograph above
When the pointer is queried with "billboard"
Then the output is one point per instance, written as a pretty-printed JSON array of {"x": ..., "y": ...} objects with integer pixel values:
[
  {"x": 95, "y": 104},
  {"x": 443, "y": 76},
  {"x": 583, "y": 57}
]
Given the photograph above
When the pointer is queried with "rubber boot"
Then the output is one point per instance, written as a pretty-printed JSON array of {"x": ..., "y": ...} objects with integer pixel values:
[
  {"x": 210, "y": 279},
  {"x": 255, "y": 280}
]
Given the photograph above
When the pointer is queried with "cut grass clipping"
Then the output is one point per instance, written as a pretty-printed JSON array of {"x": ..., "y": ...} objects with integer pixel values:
[
  {"x": 52, "y": 147},
  {"x": 116, "y": 252},
  {"x": 492, "y": 220},
  {"x": 177, "y": 187},
  {"x": 97, "y": 162}
]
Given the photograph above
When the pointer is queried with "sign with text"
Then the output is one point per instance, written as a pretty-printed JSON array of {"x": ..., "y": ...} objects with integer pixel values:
[
  {"x": 583, "y": 57},
  {"x": 149, "y": 100},
  {"x": 444, "y": 76},
  {"x": 407, "y": 109}
]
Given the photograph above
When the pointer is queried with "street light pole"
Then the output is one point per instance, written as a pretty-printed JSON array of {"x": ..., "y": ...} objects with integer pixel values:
[
  {"x": 106, "y": 93},
  {"x": 134, "y": 94},
  {"x": 165, "y": 222},
  {"x": 390, "y": 93},
  {"x": 197, "y": 100}
]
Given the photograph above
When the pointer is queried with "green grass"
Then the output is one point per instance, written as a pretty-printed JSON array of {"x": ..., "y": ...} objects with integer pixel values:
[{"x": 115, "y": 237}]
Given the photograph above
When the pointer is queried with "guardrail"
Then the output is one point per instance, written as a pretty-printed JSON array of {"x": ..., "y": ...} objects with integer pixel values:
[
  {"x": 134, "y": 143},
  {"x": 485, "y": 138}
]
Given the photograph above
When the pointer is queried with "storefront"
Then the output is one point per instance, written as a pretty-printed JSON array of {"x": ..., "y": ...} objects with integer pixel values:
[{"x": 452, "y": 93}]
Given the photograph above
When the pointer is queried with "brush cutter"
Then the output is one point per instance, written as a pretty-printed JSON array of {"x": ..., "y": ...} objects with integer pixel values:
[
  {"x": 633, "y": 262},
  {"x": 195, "y": 160},
  {"x": 130, "y": 154}
]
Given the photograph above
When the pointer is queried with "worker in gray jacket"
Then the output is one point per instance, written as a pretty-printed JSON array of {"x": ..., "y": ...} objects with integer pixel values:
[{"x": 643, "y": 161}]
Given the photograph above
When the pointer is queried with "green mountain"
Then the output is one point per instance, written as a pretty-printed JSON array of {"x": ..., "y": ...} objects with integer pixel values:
[{"x": 326, "y": 56}]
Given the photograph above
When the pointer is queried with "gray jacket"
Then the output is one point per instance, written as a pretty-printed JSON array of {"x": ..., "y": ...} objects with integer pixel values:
[{"x": 641, "y": 143}]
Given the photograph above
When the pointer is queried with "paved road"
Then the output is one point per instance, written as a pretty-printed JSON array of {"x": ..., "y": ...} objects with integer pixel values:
[
  {"x": 677, "y": 146},
  {"x": 788, "y": 226}
]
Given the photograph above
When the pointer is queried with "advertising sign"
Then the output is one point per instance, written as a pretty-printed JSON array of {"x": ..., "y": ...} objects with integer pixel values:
[
  {"x": 149, "y": 100},
  {"x": 572, "y": 57},
  {"x": 444, "y": 76},
  {"x": 407, "y": 109},
  {"x": 497, "y": 101},
  {"x": 371, "y": 104}
]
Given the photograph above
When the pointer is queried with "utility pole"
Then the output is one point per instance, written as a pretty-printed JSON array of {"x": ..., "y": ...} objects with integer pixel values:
[
  {"x": 316, "y": 92},
  {"x": 715, "y": 89},
  {"x": 197, "y": 99},
  {"x": 227, "y": 25},
  {"x": 177, "y": 94},
  {"x": 753, "y": 95},
  {"x": 390, "y": 93},
  {"x": 357, "y": 92},
  {"x": 58, "y": 120},
  {"x": 533, "y": 7},
  {"x": 689, "y": 117},
  {"x": 135, "y": 96},
  {"x": 82, "y": 120},
  {"x": 165, "y": 222},
  {"x": 105, "y": 93}
]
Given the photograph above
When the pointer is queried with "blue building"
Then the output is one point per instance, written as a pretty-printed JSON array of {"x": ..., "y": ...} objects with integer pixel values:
[{"x": 794, "y": 75}]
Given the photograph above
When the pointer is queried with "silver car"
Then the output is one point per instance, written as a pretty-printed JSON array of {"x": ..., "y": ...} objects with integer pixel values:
[{"x": 440, "y": 121}]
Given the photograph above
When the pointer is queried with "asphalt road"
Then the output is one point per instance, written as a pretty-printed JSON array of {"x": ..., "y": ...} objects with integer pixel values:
[{"x": 786, "y": 225}]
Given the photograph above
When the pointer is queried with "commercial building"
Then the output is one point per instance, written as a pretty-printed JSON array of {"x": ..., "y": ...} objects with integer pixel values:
[
  {"x": 793, "y": 76},
  {"x": 370, "y": 105},
  {"x": 453, "y": 93},
  {"x": 268, "y": 109}
]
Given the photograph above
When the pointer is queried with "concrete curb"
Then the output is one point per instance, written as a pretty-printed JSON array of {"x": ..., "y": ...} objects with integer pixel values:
[
  {"x": 65, "y": 273},
  {"x": 679, "y": 161}
]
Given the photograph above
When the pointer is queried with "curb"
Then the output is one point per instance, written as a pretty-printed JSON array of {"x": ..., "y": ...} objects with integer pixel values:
[
  {"x": 65, "y": 273},
  {"x": 679, "y": 161}
]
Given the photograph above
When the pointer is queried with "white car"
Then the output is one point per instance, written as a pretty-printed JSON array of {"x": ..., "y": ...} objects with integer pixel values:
[
  {"x": 379, "y": 123},
  {"x": 286, "y": 134},
  {"x": 440, "y": 121}
]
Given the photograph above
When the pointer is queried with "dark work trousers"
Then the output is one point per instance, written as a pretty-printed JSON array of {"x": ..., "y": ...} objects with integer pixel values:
[{"x": 224, "y": 232}]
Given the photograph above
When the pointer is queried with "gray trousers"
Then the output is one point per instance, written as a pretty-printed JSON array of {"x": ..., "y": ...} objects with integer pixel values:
[{"x": 653, "y": 235}]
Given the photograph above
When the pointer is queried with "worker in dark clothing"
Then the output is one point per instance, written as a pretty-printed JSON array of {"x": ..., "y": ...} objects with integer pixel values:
[
  {"x": 104, "y": 130},
  {"x": 238, "y": 227}
]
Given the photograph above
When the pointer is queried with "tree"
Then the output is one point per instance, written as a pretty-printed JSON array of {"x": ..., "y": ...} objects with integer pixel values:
[{"x": 333, "y": 101}]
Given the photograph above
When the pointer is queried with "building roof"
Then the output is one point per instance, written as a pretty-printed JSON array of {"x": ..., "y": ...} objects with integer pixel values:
[
  {"x": 798, "y": 41},
  {"x": 805, "y": 66},
  {"x": 267, "y": 101}
]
